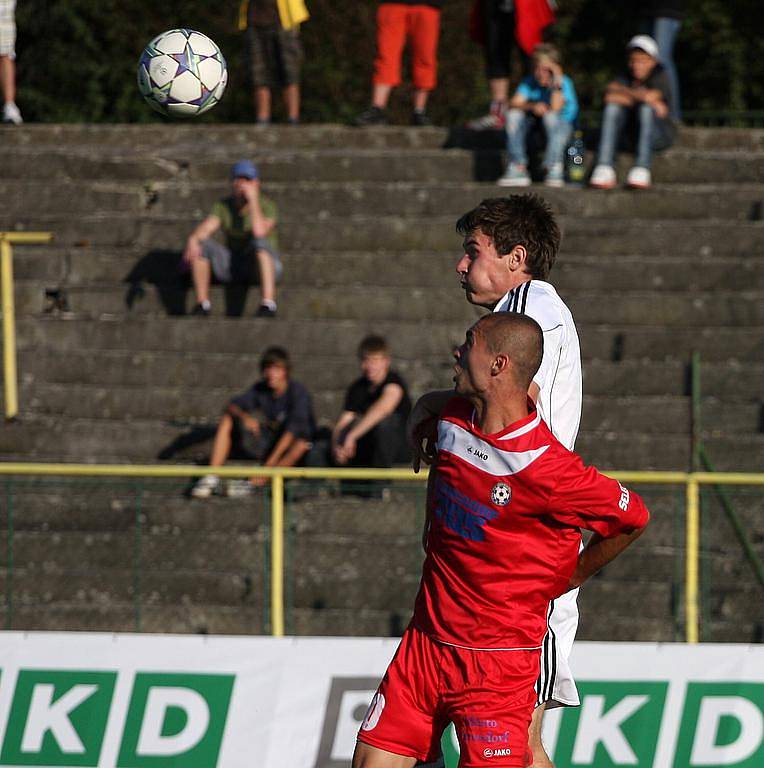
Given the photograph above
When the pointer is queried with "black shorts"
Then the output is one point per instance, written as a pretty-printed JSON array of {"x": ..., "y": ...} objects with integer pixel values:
[
  {"x": 499, "y": 28},
  {"x": 275, "y": 55}
]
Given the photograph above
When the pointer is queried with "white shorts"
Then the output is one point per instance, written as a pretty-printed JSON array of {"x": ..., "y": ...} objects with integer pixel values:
[
  {"x": 556, "y": 686},
  {"x": 8, "y": 28}
]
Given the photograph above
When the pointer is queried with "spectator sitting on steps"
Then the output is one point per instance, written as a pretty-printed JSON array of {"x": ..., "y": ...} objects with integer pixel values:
[
  {"x": 248, "y": 221},
  {"x": 371, "y": 430},
  {"x": 641, "y": 97},
  {"x": 272, "y": 423},
  {"x": 545, "y": 103}
]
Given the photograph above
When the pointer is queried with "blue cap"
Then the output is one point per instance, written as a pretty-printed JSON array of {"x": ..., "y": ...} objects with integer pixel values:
[{"x": 244, "y": 169}]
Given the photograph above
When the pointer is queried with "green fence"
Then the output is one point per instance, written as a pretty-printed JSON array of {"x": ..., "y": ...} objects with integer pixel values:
[{"x": 326, "y": 552}]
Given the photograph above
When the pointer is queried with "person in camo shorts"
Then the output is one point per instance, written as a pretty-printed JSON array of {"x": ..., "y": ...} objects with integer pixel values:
[
  {"x": 11, "y": 113},
  {"x": 275, "y": 53}
]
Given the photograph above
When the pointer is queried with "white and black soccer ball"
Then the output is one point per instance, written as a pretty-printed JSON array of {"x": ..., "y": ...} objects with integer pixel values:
[{"x": 182, "y": 73}]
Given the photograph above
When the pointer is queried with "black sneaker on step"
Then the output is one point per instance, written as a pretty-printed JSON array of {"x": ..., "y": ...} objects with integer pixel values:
[
  {"x": 420, "y": 119},
  {"x": 372, "y": 116},
  {"x": 265, "y": 311},
  {"x": 200, "y": 311}
]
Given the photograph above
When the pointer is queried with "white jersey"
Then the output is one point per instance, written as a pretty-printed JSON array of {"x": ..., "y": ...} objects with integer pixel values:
[
  {"x": 559, "y": 403},
  {"x": 559, "y": 377}
]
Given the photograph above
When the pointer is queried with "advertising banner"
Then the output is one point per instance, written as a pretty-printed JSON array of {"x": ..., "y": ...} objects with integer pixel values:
[{"x": 157, "y": 701}]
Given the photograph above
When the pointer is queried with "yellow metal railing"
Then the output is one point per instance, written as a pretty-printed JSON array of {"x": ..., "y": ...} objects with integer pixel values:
[
  {"x": 10, "y": 378},
  {"x": 691, "y": 480}
]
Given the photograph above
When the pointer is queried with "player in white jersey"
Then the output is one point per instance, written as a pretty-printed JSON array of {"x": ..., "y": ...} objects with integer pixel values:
[{"x": 510, "y": 245}]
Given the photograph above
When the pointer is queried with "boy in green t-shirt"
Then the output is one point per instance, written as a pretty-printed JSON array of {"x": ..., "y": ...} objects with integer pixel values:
[{"x": 248, "y": 221}]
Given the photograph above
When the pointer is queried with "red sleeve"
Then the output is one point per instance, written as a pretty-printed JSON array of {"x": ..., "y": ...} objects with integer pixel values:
[{"x": 587, "y": 499}]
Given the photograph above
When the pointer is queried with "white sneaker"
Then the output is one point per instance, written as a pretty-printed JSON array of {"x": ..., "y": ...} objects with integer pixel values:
[
  {"x": 603, "y": 177},
  {"x": 11, "y": 114},
  {"x": 639, "y": 178},
  {"x": 206, "y": 486},
  {"x": 239, "y": 489},
  {"x": 515, "y": 176}
]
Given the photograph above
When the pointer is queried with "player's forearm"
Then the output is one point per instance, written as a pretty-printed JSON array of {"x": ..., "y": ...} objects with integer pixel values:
[{"x": 598, "y": 553}]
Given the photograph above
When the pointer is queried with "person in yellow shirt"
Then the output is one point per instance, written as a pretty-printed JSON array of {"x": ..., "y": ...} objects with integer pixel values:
[{"x": 275, "y": 53}]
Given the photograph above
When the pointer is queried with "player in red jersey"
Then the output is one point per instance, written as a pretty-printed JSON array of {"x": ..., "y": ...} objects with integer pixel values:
[{"x": 505, "y": 506}]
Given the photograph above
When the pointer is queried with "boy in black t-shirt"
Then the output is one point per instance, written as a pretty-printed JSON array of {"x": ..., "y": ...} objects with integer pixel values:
[
  {"x": 371, "y": 430},
  {"x": 641, "y": 96}
]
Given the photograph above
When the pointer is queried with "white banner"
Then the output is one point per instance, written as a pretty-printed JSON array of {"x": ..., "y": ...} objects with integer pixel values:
[{"x": 151, "y": 701}]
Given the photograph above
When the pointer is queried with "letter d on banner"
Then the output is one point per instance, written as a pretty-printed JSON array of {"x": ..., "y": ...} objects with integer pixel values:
[
  {"x": 159, "y": 705},
  {"x": 175, "y": 719}
]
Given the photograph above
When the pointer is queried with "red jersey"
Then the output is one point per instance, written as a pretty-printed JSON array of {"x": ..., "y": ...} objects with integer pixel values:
[{"x": 505, "y": 517}]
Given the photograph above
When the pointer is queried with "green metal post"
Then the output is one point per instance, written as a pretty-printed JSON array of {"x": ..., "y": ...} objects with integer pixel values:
[
  {"x": 138, "y": 557},
  {"x": 9, "y": 556}
]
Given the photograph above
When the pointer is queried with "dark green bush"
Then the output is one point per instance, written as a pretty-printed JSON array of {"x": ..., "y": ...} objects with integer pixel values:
[{"x": 76, "y": 58}]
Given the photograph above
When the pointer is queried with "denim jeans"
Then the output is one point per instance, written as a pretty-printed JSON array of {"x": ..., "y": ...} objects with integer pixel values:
[
  {"x": 557, "y": 133},
  {"x": 652, "y": 133},
  {"x": 664, "y": 31}
]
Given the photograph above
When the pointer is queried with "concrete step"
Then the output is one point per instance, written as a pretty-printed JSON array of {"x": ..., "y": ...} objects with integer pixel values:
[
  {"x": 178, "y": 619},
  {"x": 183, "y": 402},
  {"x": 433, "y": 165},
  {"x": 311, "y": 135},
  {"x": 41, "y": 438},
  {"x": 138, "y": 269},
  {"x": 615, "y": 342},
  {"x": 594, "y": 236},
  {"x": 192, "y": 200},
  {"x": 377, "y": 304},
  {"x": 231, "y": 372}
]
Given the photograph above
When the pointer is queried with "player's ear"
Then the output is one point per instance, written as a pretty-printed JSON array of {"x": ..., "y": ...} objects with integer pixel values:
[
  {"x": 517, "y": 258},
  {"x": 500, "y": 364}
]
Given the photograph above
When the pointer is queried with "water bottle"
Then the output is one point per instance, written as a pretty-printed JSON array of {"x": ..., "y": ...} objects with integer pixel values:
[{"x": 575, "y": 160}]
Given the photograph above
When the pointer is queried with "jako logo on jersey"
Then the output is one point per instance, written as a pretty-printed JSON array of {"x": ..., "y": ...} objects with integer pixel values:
[
  {"x": 504, "y": 752},
  {"x": 501, "y": 494},
  {"x": 623, "y": 504},
  {"x": 460, "y": 513},
  {"x": 374, "y": 712}
]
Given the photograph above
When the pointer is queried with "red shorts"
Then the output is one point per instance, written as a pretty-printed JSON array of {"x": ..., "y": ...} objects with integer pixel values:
[
  {"x": 488, "y": 695},
  {"x": 396, "y": 22}
]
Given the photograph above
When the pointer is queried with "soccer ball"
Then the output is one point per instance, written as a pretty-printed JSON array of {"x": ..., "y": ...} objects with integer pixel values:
[
  {"x": 182, "y": 73},
  {"x": 501, "y": 494}
]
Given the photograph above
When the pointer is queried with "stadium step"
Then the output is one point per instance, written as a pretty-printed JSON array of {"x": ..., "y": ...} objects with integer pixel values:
[
  {"x": 613, "y": 341},
  {"x": 593, "y": 236},
  {"x": 136, "y": 269},
  {"x": 45, "y": 438},
  {"x": 376, "y": 304},
  {"x": 686, "y": 166},
  {"x": 189, "y": 202},
  {"x": 317, "y": 135},
  {"x": 229, "y": 372},
  {"x": 184, "y": 402}
]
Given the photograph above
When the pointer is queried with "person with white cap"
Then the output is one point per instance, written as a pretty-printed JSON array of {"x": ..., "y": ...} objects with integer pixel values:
[
  {"x": 639, "y": 98},
  {"x": 247, "y": 219}
]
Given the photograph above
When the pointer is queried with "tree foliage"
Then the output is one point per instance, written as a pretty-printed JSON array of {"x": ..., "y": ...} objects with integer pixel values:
[{"x": 77, "y": 58}]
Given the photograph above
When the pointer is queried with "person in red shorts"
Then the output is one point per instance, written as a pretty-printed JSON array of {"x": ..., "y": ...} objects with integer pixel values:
[
  {"x": 506, "y": 502},
  {"x": 419, "y": 22}
]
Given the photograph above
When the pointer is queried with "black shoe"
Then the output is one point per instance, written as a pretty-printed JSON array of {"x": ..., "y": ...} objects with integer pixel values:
[
  {"x": 372, "y": 116},
  {"x": 200, "y": 311},
  {"x": 265, "y": 311},
  {"x": 420, "y": 119}
]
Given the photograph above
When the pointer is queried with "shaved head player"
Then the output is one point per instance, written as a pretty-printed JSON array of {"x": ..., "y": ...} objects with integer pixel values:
[
  {"x": 504, "y": 514},
  {"x": 510, "y": 246}
]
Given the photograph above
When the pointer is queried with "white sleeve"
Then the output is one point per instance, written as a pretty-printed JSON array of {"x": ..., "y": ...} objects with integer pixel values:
[
  {"x": 548, "y": 316},
  {"x": 553, "y": 342}
]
